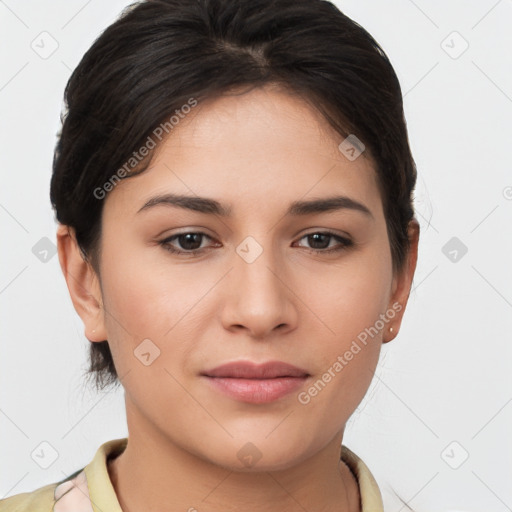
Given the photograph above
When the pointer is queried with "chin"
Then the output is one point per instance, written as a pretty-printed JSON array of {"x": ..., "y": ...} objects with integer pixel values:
[{"x": 260, "y": 455}]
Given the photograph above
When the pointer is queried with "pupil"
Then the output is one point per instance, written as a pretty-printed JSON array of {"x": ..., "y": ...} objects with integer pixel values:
[
  {"x": 189, "y": 239},
  {"x": 315, "y": 237}
]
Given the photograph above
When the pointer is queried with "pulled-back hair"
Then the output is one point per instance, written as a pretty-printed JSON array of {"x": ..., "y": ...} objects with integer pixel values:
[{"x": 161, "y": 53}]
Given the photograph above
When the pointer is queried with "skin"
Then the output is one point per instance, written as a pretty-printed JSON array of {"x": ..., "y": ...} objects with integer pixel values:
[{"x": 256, "y": 152}]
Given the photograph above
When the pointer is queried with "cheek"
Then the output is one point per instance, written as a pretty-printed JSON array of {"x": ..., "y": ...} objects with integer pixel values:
[
  {"x": 143, "y": 302},
  {"x": 353, "y": 298},
  {"x": 144, "y": 292},
  {"x": 347, "y": 356},
  {"x": 353, "y": 307}
]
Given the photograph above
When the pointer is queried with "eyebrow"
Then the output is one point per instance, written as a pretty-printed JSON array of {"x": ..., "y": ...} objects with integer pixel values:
[{"x": 297, "y": 208}]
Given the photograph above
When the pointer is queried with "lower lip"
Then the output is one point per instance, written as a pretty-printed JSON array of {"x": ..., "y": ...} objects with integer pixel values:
[{"x": 256, "y": 391}]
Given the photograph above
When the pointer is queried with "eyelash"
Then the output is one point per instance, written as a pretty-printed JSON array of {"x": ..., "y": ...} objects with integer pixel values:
[{"x": 345, "y": 243}]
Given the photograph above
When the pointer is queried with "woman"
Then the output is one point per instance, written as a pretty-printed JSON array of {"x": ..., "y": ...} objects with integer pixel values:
[{"x": 233, "y": 186}]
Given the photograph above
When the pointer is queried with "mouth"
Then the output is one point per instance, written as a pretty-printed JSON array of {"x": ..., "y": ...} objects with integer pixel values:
[
  {"x": 256, "y": 383},
  {"x": 249, "y": 370}
]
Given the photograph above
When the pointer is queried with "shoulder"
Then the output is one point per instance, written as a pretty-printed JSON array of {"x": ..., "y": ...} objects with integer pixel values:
[
  {"x": 40, "y": 500},
  {"x": 75, "y": 492},
  {"x": 44, "y": 498}
]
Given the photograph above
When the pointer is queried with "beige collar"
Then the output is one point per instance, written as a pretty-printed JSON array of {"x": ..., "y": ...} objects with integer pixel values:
[{"x": 91, "y": 490}]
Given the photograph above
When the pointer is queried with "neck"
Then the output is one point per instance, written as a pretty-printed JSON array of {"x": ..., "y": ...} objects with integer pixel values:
[{"x": 153, "y": 473}]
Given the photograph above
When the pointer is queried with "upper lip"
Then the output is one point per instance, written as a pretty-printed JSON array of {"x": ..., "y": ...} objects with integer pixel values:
[{"x": 250, "y": 370}]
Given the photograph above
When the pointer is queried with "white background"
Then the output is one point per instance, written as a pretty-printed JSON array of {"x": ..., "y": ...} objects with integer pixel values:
[{"x": 445, "y": 378}]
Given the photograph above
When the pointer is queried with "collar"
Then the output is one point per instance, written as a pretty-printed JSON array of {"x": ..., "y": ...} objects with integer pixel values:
[{"x": 92, "y": 491}]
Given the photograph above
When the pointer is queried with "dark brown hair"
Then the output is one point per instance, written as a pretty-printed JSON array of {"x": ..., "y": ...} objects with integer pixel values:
[{"x": 161, "y": 53}]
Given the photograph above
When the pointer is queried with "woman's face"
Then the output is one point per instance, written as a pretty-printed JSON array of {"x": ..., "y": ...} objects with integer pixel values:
[{"x": 255, "y": 290}]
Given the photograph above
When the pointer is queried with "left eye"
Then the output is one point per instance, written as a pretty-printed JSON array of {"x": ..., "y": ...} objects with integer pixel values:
[
  {"x": 191, "y": 242},
  {"x": 320, "y": 238}
]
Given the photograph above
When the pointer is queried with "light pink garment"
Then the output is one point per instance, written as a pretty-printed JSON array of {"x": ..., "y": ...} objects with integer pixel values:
[{"x": 73, "y": 495}]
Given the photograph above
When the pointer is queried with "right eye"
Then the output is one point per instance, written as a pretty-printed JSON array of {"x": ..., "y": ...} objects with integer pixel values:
[{"x": 189, "y": 241}]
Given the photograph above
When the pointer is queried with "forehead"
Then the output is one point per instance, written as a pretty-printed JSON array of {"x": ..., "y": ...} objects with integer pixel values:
[{"x": 252, "y": 147}]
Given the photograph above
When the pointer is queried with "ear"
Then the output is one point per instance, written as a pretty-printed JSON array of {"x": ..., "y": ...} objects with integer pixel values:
[
  {"x": 402, "y": 282},
  {"x": 83, "y": 284}
]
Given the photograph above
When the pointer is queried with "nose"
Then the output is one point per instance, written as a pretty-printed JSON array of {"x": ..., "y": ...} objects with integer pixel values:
[{"x": 259, "y": 298}]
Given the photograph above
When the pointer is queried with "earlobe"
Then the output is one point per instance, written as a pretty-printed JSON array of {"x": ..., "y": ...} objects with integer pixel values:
[
  {"x": 402, "y": 283},
  {"x": 82, "y": 283},
  {"x": 390, "y": 335}
]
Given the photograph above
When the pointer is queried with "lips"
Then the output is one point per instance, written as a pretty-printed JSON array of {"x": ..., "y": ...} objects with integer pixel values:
[
  {"x": 256, "y": 383},
  {"x": 249, "y": 370}
]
